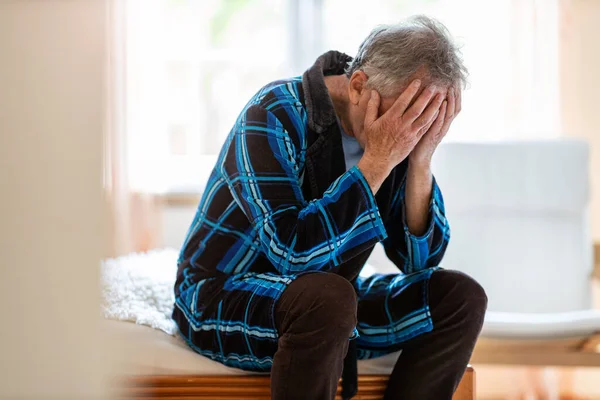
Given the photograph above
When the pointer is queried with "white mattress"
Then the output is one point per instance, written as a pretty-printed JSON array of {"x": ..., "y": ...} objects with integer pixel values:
[{"x": 143, "y": 350}]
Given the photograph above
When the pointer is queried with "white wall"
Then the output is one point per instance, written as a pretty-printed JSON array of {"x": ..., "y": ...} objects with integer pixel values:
[
  {"x": 52, "y": 229},
  {"x": 175, "y": 222}
]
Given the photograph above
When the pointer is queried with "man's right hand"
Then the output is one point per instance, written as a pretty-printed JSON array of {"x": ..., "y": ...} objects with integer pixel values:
[{"x": 389, "y": 139}]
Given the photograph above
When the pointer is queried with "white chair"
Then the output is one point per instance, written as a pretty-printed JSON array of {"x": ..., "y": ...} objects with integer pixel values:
[{"x": 519, "y": 214}]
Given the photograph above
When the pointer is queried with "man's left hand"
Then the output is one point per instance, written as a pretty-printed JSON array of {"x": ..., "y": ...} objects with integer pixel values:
[{"x": 435, "y": 132}]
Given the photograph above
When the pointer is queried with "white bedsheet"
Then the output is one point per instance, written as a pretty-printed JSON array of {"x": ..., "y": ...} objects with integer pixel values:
[{"x": 141, "y": 350}]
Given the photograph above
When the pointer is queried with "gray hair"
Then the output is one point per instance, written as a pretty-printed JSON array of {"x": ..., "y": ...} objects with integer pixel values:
[{"x": 391, "y": 54}]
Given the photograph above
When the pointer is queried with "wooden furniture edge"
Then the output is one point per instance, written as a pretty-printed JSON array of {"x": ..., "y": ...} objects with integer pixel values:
[
  {"x": 570, "y": 352},
  {"x": 591, "y": 344},
  {"x": 254, "y": 387}
]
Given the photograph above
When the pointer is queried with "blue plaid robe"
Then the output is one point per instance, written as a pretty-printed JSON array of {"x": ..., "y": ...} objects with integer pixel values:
[{"x": 280, "y": 203}]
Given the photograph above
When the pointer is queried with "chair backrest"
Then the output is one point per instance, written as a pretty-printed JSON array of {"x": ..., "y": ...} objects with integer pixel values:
[{"x": 518, "y": 212}]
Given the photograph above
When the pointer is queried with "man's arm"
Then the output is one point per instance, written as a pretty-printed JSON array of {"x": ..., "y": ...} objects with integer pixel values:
[
  {"x": 413, "y": 250},
  {"x": 419, "y": 181},
  {"x": 419, "y": 232},
  {"x": 419, "y": 178},
  {"x": 263, "y": 176}
]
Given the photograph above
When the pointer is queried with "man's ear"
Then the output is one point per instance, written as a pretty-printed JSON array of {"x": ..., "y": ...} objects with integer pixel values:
[{"x": 358, "y": 83}]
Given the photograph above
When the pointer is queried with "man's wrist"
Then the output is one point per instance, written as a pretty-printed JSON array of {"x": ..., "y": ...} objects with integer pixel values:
[
  {"x": 418, "y": 195},
  {"x": 374, "y": 171},
  {"x": 374, "y": 165},
  {"x": 419, "y": 166}
]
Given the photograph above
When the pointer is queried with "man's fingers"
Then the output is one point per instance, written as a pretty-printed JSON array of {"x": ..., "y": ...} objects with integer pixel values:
[
  {"x": 441, "y": 118},
  {"x": 420, "y": 104},
  {"x": 458, "y": 93},
  {"x": 402, "y": 102},
  {"x": 425, "y": 129},
  {"x": 429, "y": 112},
  {"x": 372, "y": 108},
  {"x": 450, "y": 112}
]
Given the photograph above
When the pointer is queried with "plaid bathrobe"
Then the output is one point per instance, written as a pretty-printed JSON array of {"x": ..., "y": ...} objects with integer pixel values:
[{"x": 280, "y": 203}]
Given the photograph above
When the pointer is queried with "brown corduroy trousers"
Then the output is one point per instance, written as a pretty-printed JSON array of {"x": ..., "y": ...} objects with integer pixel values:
[{"x": 317, "y": 313}]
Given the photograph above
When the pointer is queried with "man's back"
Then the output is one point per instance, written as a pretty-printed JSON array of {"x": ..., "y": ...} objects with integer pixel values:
[{"x": 221, "y": 238}]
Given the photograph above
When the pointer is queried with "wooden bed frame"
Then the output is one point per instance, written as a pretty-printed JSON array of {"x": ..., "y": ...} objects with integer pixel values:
[
  {"x": 251, "y": 387},
  {"x": 570, "y": 352},
  {"x": 537, "y": 354}
]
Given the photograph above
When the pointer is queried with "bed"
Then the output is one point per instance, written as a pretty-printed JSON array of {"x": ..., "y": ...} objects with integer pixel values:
[
  {"x": 155, "y": 363},
  {"x": 158, "y": 365}
]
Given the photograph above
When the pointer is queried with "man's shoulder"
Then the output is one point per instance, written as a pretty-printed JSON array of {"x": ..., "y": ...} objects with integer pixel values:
[
  {"x": 293, "y": 81},
  {"x": 281, "y": 95},
  {"x": 283, "y": 99}
]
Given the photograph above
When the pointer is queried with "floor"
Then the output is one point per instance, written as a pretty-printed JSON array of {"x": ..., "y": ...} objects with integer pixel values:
[{"x": 517, "y": 383}]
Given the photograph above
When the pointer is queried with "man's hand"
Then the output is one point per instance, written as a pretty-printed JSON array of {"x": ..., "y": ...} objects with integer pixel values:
[
  {"x": 391, "y": 137},
  {"x": 418, "y": 177},
  {"x": 433, "y": 134}
]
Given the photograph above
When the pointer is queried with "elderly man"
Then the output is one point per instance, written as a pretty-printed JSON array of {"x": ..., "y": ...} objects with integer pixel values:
[{"x": 314, "y": 173}]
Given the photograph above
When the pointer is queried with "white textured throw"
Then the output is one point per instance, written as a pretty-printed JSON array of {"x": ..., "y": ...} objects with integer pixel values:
[{"x": 139, "y": 288}]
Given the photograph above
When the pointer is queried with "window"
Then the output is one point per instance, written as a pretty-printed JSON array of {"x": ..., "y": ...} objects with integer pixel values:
[
  {"x": 191, "y": 66},
  {"x": 509, "y": 46}
]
